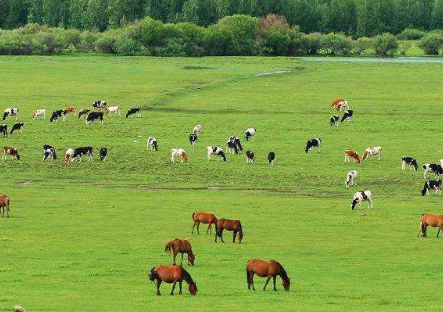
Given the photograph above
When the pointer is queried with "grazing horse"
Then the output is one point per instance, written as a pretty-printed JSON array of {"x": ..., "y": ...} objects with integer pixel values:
[
  {"x": 432, "y": 221},
  {"x": 205, "y": 218},
  {"x": 182, "y": 246},
  {"x": 172, "y": 274},
  {"x": 269, "y": 269},
  {"x": 4, "y": 205},
  {"x": 180, "y": 153},
  {"x": 229, "y": 225}
]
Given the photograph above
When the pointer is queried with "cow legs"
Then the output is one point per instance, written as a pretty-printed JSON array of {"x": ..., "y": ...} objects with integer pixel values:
[{"x": 266, "y": 284}]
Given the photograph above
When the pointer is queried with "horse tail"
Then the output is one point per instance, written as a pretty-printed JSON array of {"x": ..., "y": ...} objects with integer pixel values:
[
  {"x": 169, "y": 247},
  {"x": 193, "y": 216}
]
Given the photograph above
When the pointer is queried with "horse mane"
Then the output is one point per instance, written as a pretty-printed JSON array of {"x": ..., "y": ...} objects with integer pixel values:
[
  {"x": 283, "y": 273},
  {"x": 240, "y": 229},
  {"x": 187, "y": 277}
]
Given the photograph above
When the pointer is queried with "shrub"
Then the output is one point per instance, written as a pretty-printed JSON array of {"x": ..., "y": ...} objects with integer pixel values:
[
  {"x": 363, "y": 44},
  {"x": 431, "y": 43},
  {"x": 411, "y": 34},
  {"x": 334, "y": 44},
  {"x": 310, "y": 43},
  {"x": 385, "y": 44}
]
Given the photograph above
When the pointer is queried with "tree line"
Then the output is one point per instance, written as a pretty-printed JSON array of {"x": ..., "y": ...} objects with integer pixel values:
[{"x": 358, "y": 18}]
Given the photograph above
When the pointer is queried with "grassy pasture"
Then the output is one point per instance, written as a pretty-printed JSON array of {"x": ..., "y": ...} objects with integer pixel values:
[{"x": 82, "y": 236}]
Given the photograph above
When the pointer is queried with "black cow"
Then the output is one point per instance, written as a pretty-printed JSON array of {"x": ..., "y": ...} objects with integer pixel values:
[
  {"x": 99, "y": 104},
  {"x": 57, "y": 114},
  {"x": 431, "y": 185},
  {"x": 49, "y": 152},
  {"x": 348, "y": 115},
  {"x": 79, "y": 152},
  {"x": 313, "y": 143},
  {"x": 4, "y": 129},
  {"x": 250, "y": 157},
  {"x": 408, "y": 161},
  {"x": 334, "y": 120},
  {"x": 94, "y": 116},
  {"x": 17, "y": 127},
  {"x": 103, "y": 153},
  {"x": 192, "y": 139},
  {"x": 271, "y": 158},
  {"x": 132, "y": 111}
]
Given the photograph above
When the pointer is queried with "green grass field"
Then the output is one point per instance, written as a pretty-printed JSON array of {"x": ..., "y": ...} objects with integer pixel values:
[{"x": 82, "y": 236}]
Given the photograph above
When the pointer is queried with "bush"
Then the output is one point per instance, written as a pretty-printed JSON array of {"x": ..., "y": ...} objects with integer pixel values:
[
  {"x": 362, "y": 45},
  {"x": 431, "y": 43},
  {"x": 274, "y": 35},
  {"x": 310, "y": 43},
  {"x": 87, "y": 41},
  {"x": 411, "y": 34},
  {"x": 335, "y": 44},
  {"x": 385, "y": 45}
]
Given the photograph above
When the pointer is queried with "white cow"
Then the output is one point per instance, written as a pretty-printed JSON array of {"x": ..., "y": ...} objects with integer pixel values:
[
  {"x": 38, "y": 113},
  {"x": 362, "y": 196},
  {"x": 114, "y": 110},
  {"x": 351, "y": 179},
  {"x": 250, "y": 134},
  {"x": 197, "y": 129},
  {"x": 151, "y": 144}
]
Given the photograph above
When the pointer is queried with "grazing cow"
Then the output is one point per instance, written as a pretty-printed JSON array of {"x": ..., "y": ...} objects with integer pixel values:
[
  {"x": 410, "y": 162},
  {"x": 69, "y": 154},
  {"x": 79, "y": 152},
  {"x": 250, "y": 157},
  {"x": 103, "y": 153},
  {"x": 38, "y": 113},
  {"x": 12, "y": 111},
  {"x": 435, "y": 168},
  {"x": 152, "y": 144},
  {"x": 352, "y": 154},
  {"x": 70, "y": 109},
  {"x": 94, "y": 116},
  {"x": 205, "y": 218},
  {"x": 99, "y": 104},
  {"x": 113, "y": 110},
  {"x": 192, "y": 139},
  {"x": 333, "y": 121},
  {"x": 233, "y": 145},
  {"x": 250, "y": 134},
  {"x": 179, "y": 152},
  {"x": 431, "y": 185},
  {"x": 197, "y": 129},
  {"x": 84, "y": 111},
  {"x": 57, "y": 114},
  {"x": 132, "y": 111},
  {"x": 336, "y": 103},
  {"x": 4, "y": 130},
  {"x": 4, "y": 205},
  {"x": 17, "y": 127},
  {"x": 313, "y": 143},
  {"x": 271, "y": 158},
  {"x": 217, "y": 151},
  {"x": 362, "y": 196},
  {"x": 351, "y": 178},
  {"x": 49, "y": 152},
  {"x": 432, "y": 221},
  {"x": 347, "y": 116},
  {"x": 371, "y": 151},
  {"x": 9, "y": 150},
  {"x": 343, "y": 105}
]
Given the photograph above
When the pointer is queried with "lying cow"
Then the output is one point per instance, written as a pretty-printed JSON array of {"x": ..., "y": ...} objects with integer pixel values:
[
  {"x": 57, "y": 114},
  {"x": 410, "y": 162},
  {"x": 99, "y": 104},
  {"x": 351, "y": 178},
  {"x": 271, "y": 158},
  {"x": 132, "y": 111},
  {"x": 217, "y": 151},
  {"x": 250, "y": 134},
  {"x": 9, "y": 150},
  {"x": 362, "y": 196},
  {"x": 38, "y": 113},
  {"x": 250, "y": 157},
  {"x": 435, "y": 168},
  {"x": 94, "y": 116},
  {"x": 313, "y": 143},
  {"x": 371, "y": 151},
  {"x": 352, "y": 154},
  {"x": 431, "y": 185},
  {"x": 49, "y": 152},
  {"x": 84, "y": 111},
  {"x": 4, "y": 130},
  {"x": 193, "y": 137},
  {"x": 233, "y": 145},
  {"x": 152, "y": 144},
  {"x": 17, "y": 127},
  {"x": 103, "y": 153},
  {"x": 333, "y": 121},
  {"x": 81, "y": 151},
  {"x": 12, "y": 111}
]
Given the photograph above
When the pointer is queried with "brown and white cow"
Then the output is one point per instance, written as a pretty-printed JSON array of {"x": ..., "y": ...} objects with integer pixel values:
[
  {"x": 9, "y": 150},
  {"x": 179, "y": 153},
  {"x": 38, "y": 113},
  {"x": 352, "y": 154},
  {"x": 84, "y": 111},
  {"x": 370, "y": 151},
  {"x": 70, "y": 109}
]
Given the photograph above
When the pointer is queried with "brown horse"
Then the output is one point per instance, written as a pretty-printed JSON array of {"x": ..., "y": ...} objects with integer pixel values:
[
  {"x": 205, "y": 218},
  {"x": 266, "y": 269},
  {"x": 4, "y": 205},
  {"x": 172, "y": 274},
  {"x": 229, "y": 225},
  {"x": 180, "y": 246},
  {"x": 432, "y": 221}
]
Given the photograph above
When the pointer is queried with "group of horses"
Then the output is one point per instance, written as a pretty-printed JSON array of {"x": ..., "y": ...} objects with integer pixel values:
[{"x": 174, "y": 273}]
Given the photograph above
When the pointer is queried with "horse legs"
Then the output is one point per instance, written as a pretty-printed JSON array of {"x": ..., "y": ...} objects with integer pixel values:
[
  {"x": 173, "y": 287},
  {"x": 266, "y": 284},
  {"x": 182, "y": 260},
  {"x": 250, "y": 279},
  {"x": 195, "y": 223},
  {"x": 209, "y": 228},
  {"x": 198, "y": 227},
  {"x": 275, "y": 281},
  {"x": 174, "y": 257},
  {"x": 2, "y": 210},
  {"x": 180, "y": 285},
  {"x": 234, "y": 234},
  {"x": 159, "y": 282}
]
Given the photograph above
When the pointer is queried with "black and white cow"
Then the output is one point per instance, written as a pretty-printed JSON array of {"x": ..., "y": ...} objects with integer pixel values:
[
  {"x": 152, "y": 144},
  {"x": 435, "y": 168},
  {"x": 362, "y": 196},
  {"x": 217, "y": 151},
  {"x": 193, "y": 137},
  {"x": 103, "y": 153},
  {"x": 250, "y": 134},
  {"x": 347, "y": 115},
  {"x": 79, "y": 152},
  {"x": 57, "y": 114},
  {"x": 333, "y": 121},
  {"x": 12, "y": 111},
  {"x": 351, "y": 178},
  {"x": 94, "y": 116},
  {"x": 250, "y": 157},
  {"x": 233, "y": 145},
  {"x": 49, "y": 152},
  {"x": 99, "y": 104},
  {"x": 132, "y": 111},
  {"x": 313, "y": 143},
  {"x": 410, "y": 162},
  {"x": 4, "y": 129},
  {"x": 17, "y": 127},
  {"x": 431, "y": 185},
  {"x": 271, "y": 158}
]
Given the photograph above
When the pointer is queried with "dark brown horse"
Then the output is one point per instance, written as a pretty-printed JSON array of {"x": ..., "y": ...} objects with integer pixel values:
[
  {"x": 172, "y": 274},
  {"x": 4, "y": 205},
  {"x": 229, "y": 225},
  {"x": 266, "y": 269},
  {"x": 432, "y": 221},
  {"x": 182, "y": 246},
  {"x": 205, "y": 218}
]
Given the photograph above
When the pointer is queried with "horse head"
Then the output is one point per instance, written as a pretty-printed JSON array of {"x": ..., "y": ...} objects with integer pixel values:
[
  {"x": 193, "y": 288},
  {"x": 191, "y": 258},
  {"x": 286, "y": 283}
]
